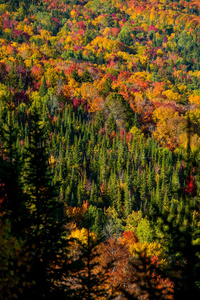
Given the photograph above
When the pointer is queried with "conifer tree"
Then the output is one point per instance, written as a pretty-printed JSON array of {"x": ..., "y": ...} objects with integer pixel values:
[
  {"x": 43, "y": 88},
  {"x": 47, "y": 215},
  {"x": 111, "y": 125},
  {"x": 21, "y": 83},
  {"x": 14, "y": 201}
]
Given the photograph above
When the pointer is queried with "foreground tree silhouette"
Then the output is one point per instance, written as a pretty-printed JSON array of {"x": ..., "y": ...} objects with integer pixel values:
[
  {"x": 14, "y": 215},
  {"x": 13, "y": 201},
  {"x": 47, "y": 234}
]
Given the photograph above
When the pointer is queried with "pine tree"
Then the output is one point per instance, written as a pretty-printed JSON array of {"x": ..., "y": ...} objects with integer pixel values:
[
  {"x": 21, "y": 84},
  {"x": 111, "y": 125},
  {"x": 43, "y": 88},
  {"x": 47, "y": 216},
  {"x": 14, "y": 201}
]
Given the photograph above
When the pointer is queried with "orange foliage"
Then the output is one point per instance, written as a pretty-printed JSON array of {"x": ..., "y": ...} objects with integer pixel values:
[
  {"x": 91, "y": 95},
  {"x": 76, "y": 214},
  {"x": 128, "y": 277}
]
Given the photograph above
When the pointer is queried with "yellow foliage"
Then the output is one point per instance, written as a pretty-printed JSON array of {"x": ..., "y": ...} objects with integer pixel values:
[
  {"x": 194, "y": 116},
  {"x": 152, "y": 14},
  {"x": 24, "y": 50},
  {"x": 91, "y": 94},
  {"x": 8, "y": 30},
  {"x": 73, "y": 13},
  {"x": 139, "y": 75},
  {"x": 173, "y": 45},
  {"x": 52, "y": 160},
  {"x": 144, "y": 60},
  {"x": 194, "y": 99},
  {"x": 182, "y": 88},
  {"x": 29, "y": 29},
  {"x": 157, "y": 35},
  {"x": 35, "y": 98},
  {"x": 3, "y": 91},
  {"x": 136, "y": 132},
  {"x": 73, "y": 83},
  {"x": 106, "y": 31},
  {"x": 45, "y": 34},
  {"x": 81, "y": 235},
  {"x": 172, "y": 96},
  {"x": 148, "y": 249},
  {"x": 160, "y": 52},
  {"x": 3, "y": 8},
  {"x": 162, "y": 114},
  {"x": 103, "y": 42},
  {"x": 52, "y": 76},
  {"x": 194, "y": 142}
]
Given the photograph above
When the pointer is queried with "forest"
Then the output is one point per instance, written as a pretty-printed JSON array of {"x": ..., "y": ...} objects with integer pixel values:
[{"x": 99, "y": 149}]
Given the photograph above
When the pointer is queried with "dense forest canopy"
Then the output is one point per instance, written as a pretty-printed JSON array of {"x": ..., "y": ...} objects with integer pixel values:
[{"x": 99, "y": 149}]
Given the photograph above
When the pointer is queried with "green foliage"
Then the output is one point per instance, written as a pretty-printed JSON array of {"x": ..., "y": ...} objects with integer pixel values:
[
  {"x": 43, "y": 88},
  {"x": 47, "y": 215},
  {"x": 125, "y": 35}
]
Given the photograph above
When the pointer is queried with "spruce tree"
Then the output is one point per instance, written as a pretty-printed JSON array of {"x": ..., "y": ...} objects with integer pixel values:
[
  {"x": 13, "y": 205},
  {"x": 47, "y": 234},
  {"x": 43, "y": 88}
]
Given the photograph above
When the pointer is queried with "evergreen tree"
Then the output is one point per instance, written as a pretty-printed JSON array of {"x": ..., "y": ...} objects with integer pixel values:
[
  {"x": 21, "y": 83},
  {"x": 47, "y": 232},
  {"x": 43, "y": 88},
  {"x": 13, "y": 205}
]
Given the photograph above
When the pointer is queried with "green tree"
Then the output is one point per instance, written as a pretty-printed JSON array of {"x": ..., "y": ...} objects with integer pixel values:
[
  {"x": 43, "y": 88},
  {"x": 47, "y": 234},
  {"x": 13, "y": 204},
  {"x": 125, "y": 35}
]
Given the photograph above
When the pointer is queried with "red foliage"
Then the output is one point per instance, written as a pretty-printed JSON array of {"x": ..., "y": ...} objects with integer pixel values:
[
  {"x": 78, "y": 102},
  {"x": 122, "y": 133},
  {"x": 7, "y": 22},
  {"x": 17, "y": 33},
  {"x": 152, "y": 28},
  {"x": 21, "y": 97},
  {"x": 191, "y": 188},
  {"x": 81, "y": 25}
]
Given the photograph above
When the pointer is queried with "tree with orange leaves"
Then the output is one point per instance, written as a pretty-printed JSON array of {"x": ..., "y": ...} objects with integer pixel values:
[{"x": 132, "y": 274}]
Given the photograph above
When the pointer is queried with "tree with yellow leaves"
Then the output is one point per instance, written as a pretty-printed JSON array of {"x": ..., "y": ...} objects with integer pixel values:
[
  {"x": 169, "y": 126},
  {"x": 91, "y": 95}
]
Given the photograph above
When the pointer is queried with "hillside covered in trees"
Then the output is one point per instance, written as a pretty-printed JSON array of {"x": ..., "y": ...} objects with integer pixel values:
[{"x": 99, "y": 149}]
